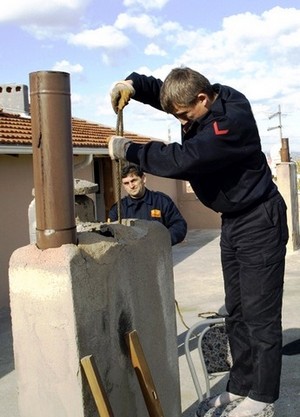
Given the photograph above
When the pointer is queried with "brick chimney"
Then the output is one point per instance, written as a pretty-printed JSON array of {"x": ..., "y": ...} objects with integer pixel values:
[{"x": 14, "y": 98}]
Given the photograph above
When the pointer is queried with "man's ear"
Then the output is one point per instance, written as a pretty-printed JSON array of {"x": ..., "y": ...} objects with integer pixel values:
[
  {"x": 202, "y": 97},
  {"x": 144, "y": 179}
]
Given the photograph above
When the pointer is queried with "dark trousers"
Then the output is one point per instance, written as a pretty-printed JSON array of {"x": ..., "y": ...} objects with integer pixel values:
[{"x": 253, "y": 247}]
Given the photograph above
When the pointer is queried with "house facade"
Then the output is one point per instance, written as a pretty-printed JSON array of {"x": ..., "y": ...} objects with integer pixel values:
[{"x": 91, "y": 163}]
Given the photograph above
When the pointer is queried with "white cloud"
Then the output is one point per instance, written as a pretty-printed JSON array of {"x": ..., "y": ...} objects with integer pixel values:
[
  {"x": 66, "y": 66},
  {"x": 291, "y": 40},
  {"x": 248, "y": 45},
  {"x": 273, "y": 30},
  {"x": 40, "y": 13},
  {"x": 106, "y": 37},
  {"x": 256, "y": 54},
  {"x": 153, "y": 49},
  {"x": 44, "y": 19},
  {"x": 142, "y": 24},
  {"x": 146, "y": 4}
]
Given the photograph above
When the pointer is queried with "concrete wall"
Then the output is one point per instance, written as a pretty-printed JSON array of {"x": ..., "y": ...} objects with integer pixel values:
[
  {"x": 196, "y": 214},
  {"x": 15, "y": 196},
  {"x": 287, "y": 185}
]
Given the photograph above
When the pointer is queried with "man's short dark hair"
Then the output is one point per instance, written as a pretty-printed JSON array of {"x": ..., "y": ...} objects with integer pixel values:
[
  {"x": 182, "y": 87},
  {"x": 132, "y": 169}
]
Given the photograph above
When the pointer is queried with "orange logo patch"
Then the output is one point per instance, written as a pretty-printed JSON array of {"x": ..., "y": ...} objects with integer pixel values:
[{"x": 156, "y": 213}]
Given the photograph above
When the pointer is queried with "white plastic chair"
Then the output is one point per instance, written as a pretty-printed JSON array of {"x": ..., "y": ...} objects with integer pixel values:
[{"x": 200, "y": 331}]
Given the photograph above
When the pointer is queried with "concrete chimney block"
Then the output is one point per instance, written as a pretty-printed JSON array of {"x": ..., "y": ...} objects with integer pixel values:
[{"x": 79, "y": 300}]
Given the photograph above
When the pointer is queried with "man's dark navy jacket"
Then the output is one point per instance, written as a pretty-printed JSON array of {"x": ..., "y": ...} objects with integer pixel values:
[
  {"x": 220, "y": 155},
  {"x": 154, "y": 205}
]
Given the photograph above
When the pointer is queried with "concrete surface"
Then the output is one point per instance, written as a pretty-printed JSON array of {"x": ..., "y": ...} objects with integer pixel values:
[{"x": 198, "y": 289}]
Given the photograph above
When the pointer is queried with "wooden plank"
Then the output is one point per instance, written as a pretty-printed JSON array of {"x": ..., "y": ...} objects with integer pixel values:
[
  {"x": 96, "y": 386},
  {"x": 143, "y": 373}
]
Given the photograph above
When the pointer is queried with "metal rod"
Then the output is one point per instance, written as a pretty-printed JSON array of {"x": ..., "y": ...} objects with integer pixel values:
[
  {"x": 52, "y": 158},
  {"x": 119, "y": 132}
]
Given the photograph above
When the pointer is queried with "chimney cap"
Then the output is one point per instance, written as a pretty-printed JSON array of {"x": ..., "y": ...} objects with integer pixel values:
[{"x": 14, "y": 98}]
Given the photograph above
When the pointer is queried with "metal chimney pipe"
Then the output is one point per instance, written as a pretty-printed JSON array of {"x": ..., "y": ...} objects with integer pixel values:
[
  {"x": 52, "y": 158},
  {"x": 285, "y": 150}
]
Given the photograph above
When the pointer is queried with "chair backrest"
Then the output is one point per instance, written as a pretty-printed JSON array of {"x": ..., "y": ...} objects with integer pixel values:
[{"x": 213, "y": 349}]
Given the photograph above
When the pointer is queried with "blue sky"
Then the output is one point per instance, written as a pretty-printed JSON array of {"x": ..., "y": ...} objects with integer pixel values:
[{"x": 251, "y": 45}]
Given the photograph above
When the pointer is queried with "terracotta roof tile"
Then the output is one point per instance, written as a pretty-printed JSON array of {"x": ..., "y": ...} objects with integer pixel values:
[{"x": 16, "y": 130}]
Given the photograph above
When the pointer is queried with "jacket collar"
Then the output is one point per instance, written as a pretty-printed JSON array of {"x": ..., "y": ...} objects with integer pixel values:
[{"x": 147, "y": 198}]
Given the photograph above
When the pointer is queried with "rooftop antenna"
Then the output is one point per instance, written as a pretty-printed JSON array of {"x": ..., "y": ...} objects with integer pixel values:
[
  {"x": 278, "y": 113},
  {"x": 284, "y": 150}
]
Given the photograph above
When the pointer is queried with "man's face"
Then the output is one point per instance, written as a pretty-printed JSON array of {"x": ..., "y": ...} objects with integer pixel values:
[
  {"x": 186, "y": 115},
  {"x": 134, "y": 185}
]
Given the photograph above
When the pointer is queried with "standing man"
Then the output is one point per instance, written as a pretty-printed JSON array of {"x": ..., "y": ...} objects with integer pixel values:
[
  {"x": 221, "y": 157},
  {"x": 142, "y": 203}
]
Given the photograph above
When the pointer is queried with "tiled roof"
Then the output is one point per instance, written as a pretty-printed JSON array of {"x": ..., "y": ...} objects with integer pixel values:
[{"x": 16, "y": 130}]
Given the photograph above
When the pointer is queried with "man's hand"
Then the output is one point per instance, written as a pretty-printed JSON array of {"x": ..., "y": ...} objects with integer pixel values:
[
  {"x": 117, "y": 147},
  {"x": 121, "y": 94}
]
